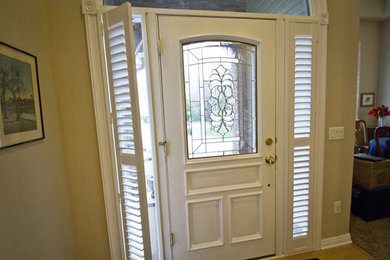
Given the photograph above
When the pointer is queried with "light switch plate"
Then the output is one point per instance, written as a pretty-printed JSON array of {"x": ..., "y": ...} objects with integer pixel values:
[
  {"x": 336, "y": 133},
  {"x": 337, "y": 207}
]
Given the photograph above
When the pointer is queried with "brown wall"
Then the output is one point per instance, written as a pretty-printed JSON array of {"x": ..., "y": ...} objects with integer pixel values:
[
  {"x": 343, "y": 36},
  {"x": 35, "y": 215}
]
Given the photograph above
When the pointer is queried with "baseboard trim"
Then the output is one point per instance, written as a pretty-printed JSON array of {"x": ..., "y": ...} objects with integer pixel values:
[{"x": 336, "y": 241}]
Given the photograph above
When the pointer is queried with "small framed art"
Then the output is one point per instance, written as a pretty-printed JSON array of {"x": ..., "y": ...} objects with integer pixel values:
[
  {"x": 21, "y": 116},
  {"x": 367, "y": 99}
]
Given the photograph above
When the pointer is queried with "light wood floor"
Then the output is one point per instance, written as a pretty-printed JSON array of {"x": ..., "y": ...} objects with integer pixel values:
[{"x": 346, "y": 252}]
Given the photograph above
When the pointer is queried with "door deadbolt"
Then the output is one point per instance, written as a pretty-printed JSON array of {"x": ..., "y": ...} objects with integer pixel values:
[{"x": 268, "y": 141}]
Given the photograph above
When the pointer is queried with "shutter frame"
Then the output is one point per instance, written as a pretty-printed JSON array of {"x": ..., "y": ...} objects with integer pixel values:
[
  {"x": 126, "y": 126},
  {"x": 302, "y": 82}
]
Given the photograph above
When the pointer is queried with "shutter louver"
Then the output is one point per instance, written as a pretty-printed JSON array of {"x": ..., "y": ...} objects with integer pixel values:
[
  {"x": 301, "y": 190},
  {"x": 302, "y": 133},
  {"x": 126, "y": 127},
  {"x": 302, "y": 93},
  {"x": 122, "y": 100}
]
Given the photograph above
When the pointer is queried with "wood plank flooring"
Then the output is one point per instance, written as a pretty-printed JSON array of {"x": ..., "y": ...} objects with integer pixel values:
[{"x": 346, "y": 252}]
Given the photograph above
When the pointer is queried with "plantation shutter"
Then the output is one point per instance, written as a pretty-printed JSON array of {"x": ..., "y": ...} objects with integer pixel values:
[
  {"x": 301, "y": 167},
  {"x": 121, "y": 71},
  {"x": 302, "y": 85}
]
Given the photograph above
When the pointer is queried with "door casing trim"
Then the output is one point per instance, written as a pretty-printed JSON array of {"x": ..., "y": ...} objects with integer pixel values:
[{"x": 92, "y": 9}]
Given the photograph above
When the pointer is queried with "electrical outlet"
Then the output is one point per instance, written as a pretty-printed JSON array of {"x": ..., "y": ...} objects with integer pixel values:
[
  {"x": 336, "y": 133},
  {"x": 337, "y": 207}
]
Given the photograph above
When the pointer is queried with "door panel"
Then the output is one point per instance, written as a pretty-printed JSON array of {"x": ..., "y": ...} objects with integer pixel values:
[
  {"x": 126, "y": 127},
  {"x": 222, "y": 199}
]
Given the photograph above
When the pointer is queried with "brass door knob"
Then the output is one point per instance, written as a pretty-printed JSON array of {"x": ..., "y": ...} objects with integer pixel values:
[{"x": 270, "y": 159}]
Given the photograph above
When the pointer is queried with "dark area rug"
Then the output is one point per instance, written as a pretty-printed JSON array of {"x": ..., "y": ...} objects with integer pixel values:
[{"x": 373, "y": 236}]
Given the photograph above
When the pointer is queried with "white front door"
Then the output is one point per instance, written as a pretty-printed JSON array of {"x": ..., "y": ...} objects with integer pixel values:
[{"x": 218, "y": 78}]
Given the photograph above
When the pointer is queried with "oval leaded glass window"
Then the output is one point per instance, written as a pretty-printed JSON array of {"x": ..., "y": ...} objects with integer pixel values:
[{"x": 220, "y": 92}]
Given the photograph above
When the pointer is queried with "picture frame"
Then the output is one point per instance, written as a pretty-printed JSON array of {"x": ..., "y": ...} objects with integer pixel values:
[
  {"x": 367, "y": 99},
  {"x": 20, "y": 102}
]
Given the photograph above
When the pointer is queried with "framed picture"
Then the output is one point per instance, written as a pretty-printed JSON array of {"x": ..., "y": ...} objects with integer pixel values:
[
  {"x": 367, "y": 99},
  {"x": 21, "y": 116}
]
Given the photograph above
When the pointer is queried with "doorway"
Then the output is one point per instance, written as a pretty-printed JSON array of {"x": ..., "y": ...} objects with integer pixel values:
[{"x": 218, "y": 79}]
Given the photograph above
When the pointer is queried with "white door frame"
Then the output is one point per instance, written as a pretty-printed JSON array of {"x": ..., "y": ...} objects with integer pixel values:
[{"x": 92, "y": 10}]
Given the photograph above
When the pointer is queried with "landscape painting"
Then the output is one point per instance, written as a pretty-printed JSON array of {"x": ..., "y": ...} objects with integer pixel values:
[{"x": 21, "y": 119}]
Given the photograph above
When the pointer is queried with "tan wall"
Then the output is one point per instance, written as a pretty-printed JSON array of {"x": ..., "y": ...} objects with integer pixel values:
[
  {"x": 372, "y": 9},
  {"x": 74, "y": 97},
  {"x": 343, "y": 38},
  {"x": 384, "y": 68},
  {"x": 369, "y": 37},
  {"x": 35, "y": 215},
  {"x": 387, "y": 9}
]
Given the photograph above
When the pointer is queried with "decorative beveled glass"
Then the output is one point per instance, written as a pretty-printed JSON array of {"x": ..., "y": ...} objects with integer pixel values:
[{"x": 220, "y": 96}]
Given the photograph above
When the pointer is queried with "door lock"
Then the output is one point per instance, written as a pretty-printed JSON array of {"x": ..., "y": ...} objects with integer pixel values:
[
  {"x": 164, "y": 145},
  {"x": 270, "y": 159},
  {"x": 268, "y": 141}
]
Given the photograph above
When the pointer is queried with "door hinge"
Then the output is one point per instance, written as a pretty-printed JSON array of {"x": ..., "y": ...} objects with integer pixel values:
[
  {"x": 159, "y": 47},
  {"x": 172, "y": 239}
]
